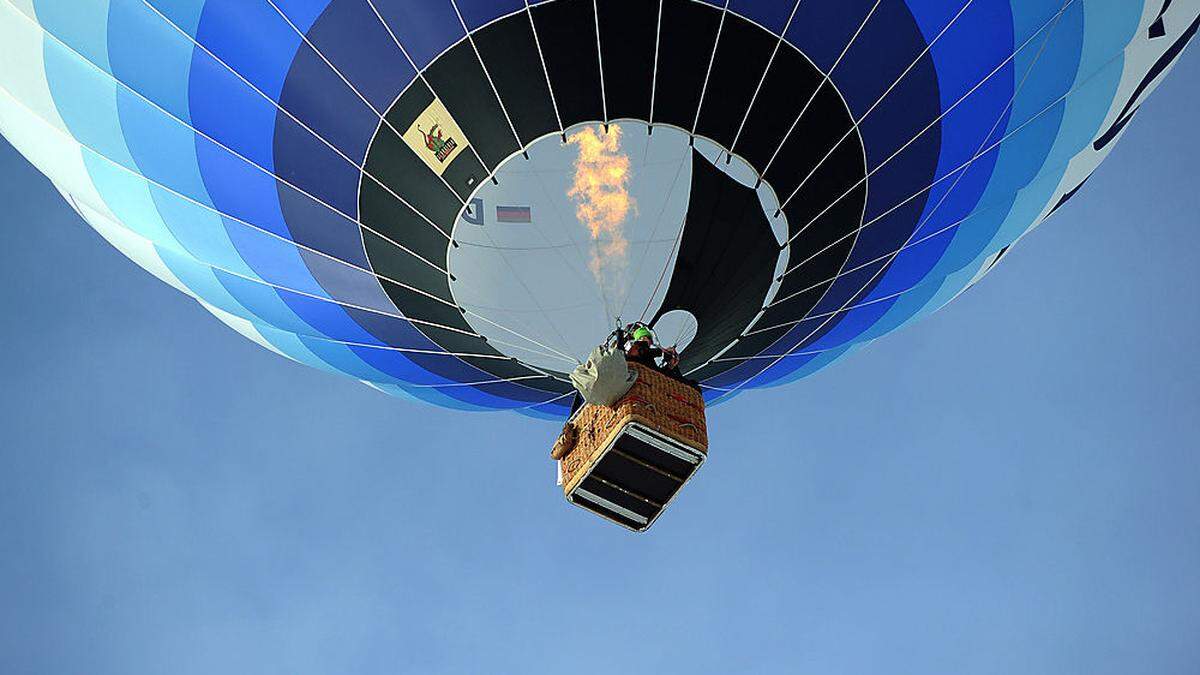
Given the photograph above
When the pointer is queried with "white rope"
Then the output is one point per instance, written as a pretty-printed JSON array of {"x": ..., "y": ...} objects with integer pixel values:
[
  {"x": 654, "y": 73},
  {"x": 509, "y": 330},
  {"x": 600, "y": 62},
  {"x": 708, "y": 73},
  {"x": 450, "y": 385},
  {"x": 545, "y": 70}
]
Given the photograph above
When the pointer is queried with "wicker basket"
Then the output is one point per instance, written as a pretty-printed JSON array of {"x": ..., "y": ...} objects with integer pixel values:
[{"x": 668, "y": 409}]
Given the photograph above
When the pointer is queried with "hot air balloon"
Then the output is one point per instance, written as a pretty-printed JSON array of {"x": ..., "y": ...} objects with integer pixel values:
[{"x": 454, "y": 200}]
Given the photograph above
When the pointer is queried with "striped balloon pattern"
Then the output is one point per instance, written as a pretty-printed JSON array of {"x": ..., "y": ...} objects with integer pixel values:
[{"x": 383, "y": 188}]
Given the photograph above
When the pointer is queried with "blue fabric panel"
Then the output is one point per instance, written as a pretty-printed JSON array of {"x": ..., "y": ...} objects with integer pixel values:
[
  {"x": 303, "y": 13},
  {"x": 202, "y": 281},
  {"x": 265, "y": 302},
  {"x": 251, "y": 40},
  {"x": 274, "y": 260},
  {"x": 425, "y": 29},
  {"x": 887, "y": 46},
  {"x": 823, "y": 29},
  {"x": 901, "y": 308},
  {"x": 436, "y": 368},
  {"x": 200, "y": 232},
  {"x": 432, "y": 397},
  {"x": 320, "y": 227},
  {"x": 230, "y": 111},
  {"x": 149, "y": 56},
  {"x": 165, "y": 153},
  {"x": 82, "y": 26},
  {"x": 327, "y": 317},
  {"x": 788, "y": 370},
  {"x": 315, "y": 169},
  {"x": 342, "y": 358},
  {"x": 849, "y": 325},
  {"x": 352, "y": 37},
  {"x": 353, "y": 285},
  {"x": 315, "y": 95},
  {"x": 405, "y": 368},
  {"x": 479, "y": 12},
  {"x": 239, "y": 189}
]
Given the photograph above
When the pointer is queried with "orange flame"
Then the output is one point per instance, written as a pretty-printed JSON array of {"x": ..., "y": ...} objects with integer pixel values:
[{"x": 602, "y": 201}]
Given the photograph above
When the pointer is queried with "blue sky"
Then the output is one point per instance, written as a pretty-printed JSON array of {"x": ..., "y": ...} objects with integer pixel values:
[{"x": 1008, "y": 486}]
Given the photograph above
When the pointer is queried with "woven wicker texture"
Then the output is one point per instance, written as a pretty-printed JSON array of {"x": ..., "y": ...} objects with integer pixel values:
[{"x": 664, "y": 404}]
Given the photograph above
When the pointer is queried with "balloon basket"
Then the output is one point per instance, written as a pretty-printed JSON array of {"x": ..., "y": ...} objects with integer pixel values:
[{"x": 627, "y": 462}]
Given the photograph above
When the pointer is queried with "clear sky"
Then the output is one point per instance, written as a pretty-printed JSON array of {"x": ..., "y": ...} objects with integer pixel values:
[{"x": 1010, "y": 486}]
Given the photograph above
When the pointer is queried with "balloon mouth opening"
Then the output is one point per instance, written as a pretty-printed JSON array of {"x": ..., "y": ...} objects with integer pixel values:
[{"x": 561, "y": 254}]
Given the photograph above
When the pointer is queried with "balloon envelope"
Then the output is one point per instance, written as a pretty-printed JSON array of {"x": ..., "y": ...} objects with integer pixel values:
[{"x": 453, "y": 200}]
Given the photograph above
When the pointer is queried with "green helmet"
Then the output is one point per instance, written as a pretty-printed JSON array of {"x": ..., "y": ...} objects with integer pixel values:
[{"x": 642, "y": 332}]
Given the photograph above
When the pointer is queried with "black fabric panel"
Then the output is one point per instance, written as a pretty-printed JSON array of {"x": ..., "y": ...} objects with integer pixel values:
[
  {"x": 387, "y": 259},
  {"x": 1158, "y": 28},
  {"x": 823, "y": 125},
  {"x": 789, "y": 82},
  {"x": 395, "y": 165},
  {"x": 384, "y": 214},
  {"x": 460, "y": 83},
  {"x": 511, "y": 55},
  {"x": 820, "y": 252},
  {"x": 567, "y": 31},
  {"x": 689, "y": 31},
  {"x": 726, "y": 259},
  {"x": 627, "y": 32},
  {"x": 815, "y": 250},
  {"x": 742, "y": 54}
]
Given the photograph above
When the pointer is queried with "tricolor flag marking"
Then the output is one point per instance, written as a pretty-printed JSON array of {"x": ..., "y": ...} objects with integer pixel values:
[{"x": 514, "y": 214}]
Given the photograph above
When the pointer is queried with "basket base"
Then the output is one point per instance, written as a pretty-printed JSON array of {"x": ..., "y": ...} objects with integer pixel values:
[{"x": 635, "y": 476}]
